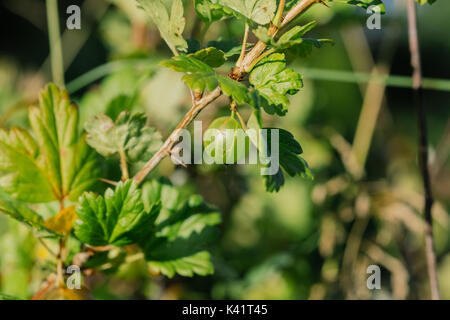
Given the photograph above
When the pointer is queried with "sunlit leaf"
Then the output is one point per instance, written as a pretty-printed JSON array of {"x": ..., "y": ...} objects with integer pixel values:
[{"x": 58, "y": 164}]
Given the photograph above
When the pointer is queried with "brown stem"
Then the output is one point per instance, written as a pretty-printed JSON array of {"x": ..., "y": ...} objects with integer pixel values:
[
  {"x": 175, "y": 135},
  {"x": 423, "y": 148},
  {"x": 234, "y": 111},
  {"x": 202, "y": 103},
  {"x": 111, "y": 182},
  {"x": 99, "y": 248}
]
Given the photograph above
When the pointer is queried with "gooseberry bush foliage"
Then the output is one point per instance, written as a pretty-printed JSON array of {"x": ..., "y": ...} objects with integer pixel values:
[{"x": 100, "y": 221}]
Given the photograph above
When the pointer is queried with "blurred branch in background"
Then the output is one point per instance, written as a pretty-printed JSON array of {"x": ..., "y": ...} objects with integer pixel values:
[
  {"x": 354, "y": 156},
  {"x": 363, "y": 77},
  {"x": 395, "y": 266},
  {"x": 423, "y": 147}
]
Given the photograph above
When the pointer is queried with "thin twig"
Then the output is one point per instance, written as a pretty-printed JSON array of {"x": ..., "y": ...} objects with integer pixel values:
[
  {"x": 48, "y": 285},
  {"x": 234, "y": 111},
  {"x": 175, "y": 158},
  {"x": 42, "y": 242},
  {"x": 111, "y": 182},
  {"x": 423, "y": 148},
  {"x": 61, "y": 253},
  {"x": 60, "y": 262}
]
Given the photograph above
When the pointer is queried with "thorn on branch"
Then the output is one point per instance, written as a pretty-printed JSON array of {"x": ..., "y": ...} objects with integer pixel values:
[{"x": 324, "y": 3}]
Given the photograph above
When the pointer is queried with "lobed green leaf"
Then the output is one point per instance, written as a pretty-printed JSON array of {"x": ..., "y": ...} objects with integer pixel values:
[
  {"x": 290, "y": 160},
  {"x": 273, "y": 81},
  {"x": 258, "y": 11},
  {"x": 128, "y": 133},
  {"x": 183, "y": 228},
  {"x": 213, "y": 57},
  {"x": 58, "y": 164},
  {"x": 118, "y": 218}
]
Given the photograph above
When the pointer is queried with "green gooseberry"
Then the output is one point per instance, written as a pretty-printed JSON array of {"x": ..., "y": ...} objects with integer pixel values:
[{"x": 226, "y": 137}]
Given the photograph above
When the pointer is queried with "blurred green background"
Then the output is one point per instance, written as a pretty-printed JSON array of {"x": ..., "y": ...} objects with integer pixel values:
[{"x": 312, "y": 240}]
